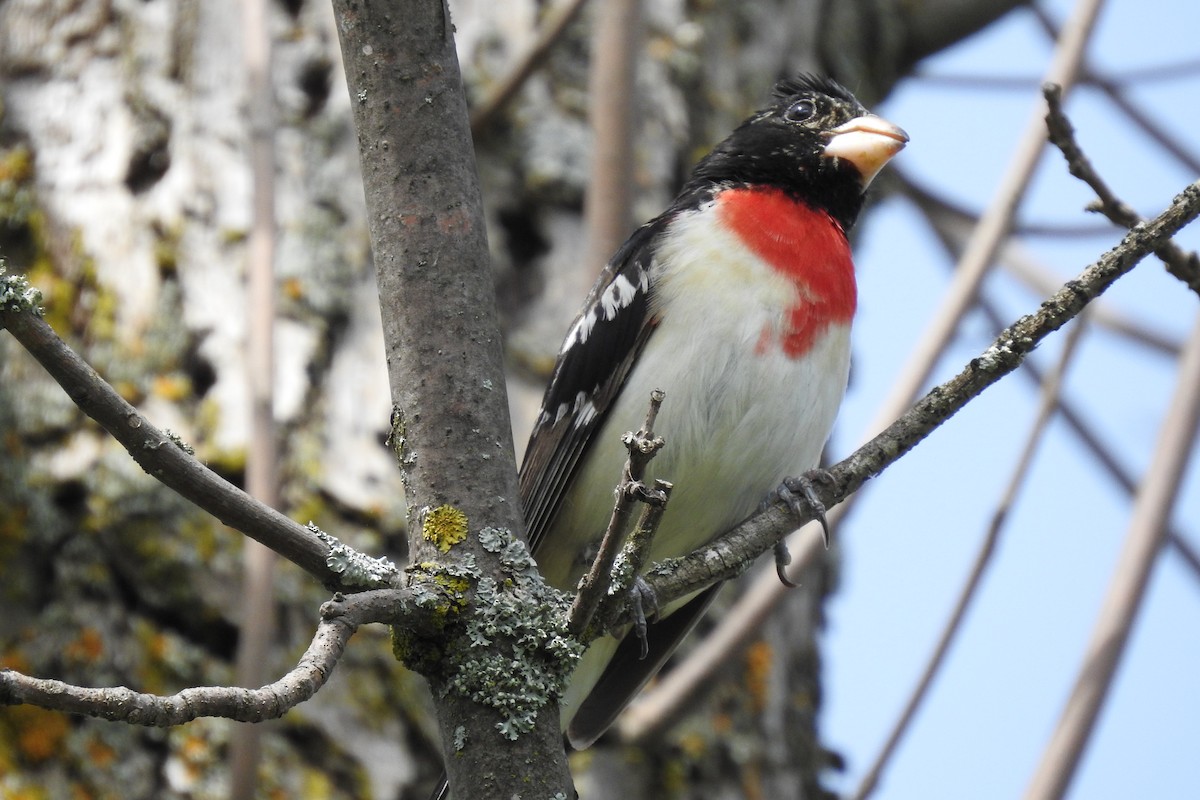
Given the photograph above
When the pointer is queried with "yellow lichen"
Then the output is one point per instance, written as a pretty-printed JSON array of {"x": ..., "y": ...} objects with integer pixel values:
[
  {"x": 759, "y": 660},
  {"x": 86, "y": 648},
  {"x": 40, "y": 733},
  {"x": 175, "y": 387},
  {"x": 444, "y": 527}
]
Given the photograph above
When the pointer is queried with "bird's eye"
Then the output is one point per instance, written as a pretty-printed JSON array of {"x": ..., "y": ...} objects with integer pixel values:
[{"x": 800, "y": 111}]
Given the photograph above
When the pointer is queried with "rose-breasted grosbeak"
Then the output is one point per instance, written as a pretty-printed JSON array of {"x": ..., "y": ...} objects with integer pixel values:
[{"x": 736, "y": 301}]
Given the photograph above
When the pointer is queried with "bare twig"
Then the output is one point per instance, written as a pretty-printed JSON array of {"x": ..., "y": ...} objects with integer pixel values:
[
  {"x": 1051, "y": 391},
  {"x": 559, "y": 20},
  {"x": 941, "y": 219},
  {"x": 1147, "y": 527},
  {"x": 952, "y": 224},
  {"x": 1116, "y": 93},
  {"x": 642, "y": 447},
  {"x": 1183, "y": 265},
  {"x": 340, "y": 617}
]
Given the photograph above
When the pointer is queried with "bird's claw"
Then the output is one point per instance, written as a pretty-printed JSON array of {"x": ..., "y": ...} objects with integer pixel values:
[
  {"x": 782, "y": 558},
  {"x": 641, "y": 597},
  {"x": 797, "y": 493}
]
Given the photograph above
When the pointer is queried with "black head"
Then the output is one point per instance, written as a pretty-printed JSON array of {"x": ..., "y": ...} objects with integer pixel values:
[{"x": 798, "y": 143}]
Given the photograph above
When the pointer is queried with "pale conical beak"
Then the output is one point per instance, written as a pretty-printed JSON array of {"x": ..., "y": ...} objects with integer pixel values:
[{"x": 868, "y": 142}]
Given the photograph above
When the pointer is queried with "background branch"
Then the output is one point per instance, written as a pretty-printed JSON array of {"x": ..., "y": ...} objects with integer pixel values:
[
  {"x": 1185, "y": 266},
  {"x": 1050, "y": 403},
  {"x": 1147, "y": 526},
  {"x": 559, "y": 19},
  {"x": 164, "y": 457},
  {"x": 257, "y": 624}
]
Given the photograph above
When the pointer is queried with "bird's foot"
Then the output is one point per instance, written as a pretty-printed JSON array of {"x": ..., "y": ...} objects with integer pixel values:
[{"x": 798, "y": 494}]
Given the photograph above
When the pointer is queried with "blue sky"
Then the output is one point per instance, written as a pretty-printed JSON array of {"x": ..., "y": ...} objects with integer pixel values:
[{"x": 907, "y": 549}]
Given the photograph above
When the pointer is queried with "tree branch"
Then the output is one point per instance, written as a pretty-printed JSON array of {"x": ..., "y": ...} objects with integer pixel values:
[
  {"x": 486, "y": 112},
  {"x": 1183, "y": 265},
  {"x": 340, "y": 617},
  {"x": 1147, "y": 526},
  {"x": 163, "y": 456},
  {"x": 1050, "y": 403},
  {"x": 936, "y": 215},
  {"x": 450, "y": 423},
  {"x": 594, "y": 585},
  {"x": 986, "y": 238}
]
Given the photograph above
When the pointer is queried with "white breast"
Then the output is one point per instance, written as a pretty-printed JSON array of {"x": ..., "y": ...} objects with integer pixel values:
[{"x": 737, "y": 418}]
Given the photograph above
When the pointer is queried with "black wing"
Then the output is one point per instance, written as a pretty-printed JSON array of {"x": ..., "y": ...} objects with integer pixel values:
[
  {"x": 600, "y": 349},
  {"x": 631, "y": 668}
]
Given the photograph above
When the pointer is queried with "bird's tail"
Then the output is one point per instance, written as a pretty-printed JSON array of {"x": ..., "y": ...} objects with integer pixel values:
[{"x": 442, "y": 792}]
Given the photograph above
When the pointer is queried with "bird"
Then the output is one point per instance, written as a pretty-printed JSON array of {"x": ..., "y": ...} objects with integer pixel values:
[{"x": 736, "y": 302}]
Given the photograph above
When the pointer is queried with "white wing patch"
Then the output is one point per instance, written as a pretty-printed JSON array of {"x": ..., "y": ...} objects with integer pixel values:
[
  {"x": 585, "y": 410},
  {"x": 581, "y": 330},
  {"x": 618, "y": 295}
]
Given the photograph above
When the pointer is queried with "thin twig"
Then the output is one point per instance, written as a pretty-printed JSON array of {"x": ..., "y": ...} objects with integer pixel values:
[
  {"x": 1183, "y": 265},
  {"x": 1116, "y": 93},
  {"x": 488, "y": 109},
  {"x": 952, "y": 224},
  {"x": 593, "y": 587},
  {"x": 993, "y": 225},
  {"x": 1088, "y": 437},
  {"x": 340, "y": 617},
  {"x": 1147, "y": 526},
  {"x": 1051, "y": 397}
]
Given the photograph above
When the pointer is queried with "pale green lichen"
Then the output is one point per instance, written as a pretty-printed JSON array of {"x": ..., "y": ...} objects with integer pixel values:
[
  {"x": 16, "y": 293},
  {"x": 442, "y": 590},
  {"x": 528, "y": 617},
  {"x": 356, "y": 569}
]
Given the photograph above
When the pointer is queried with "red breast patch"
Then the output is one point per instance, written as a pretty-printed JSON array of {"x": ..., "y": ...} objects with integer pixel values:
[{"x": 804, "y": 244}]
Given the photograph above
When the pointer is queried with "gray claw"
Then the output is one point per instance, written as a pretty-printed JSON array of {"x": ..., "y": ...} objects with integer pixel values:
[{"x": 782, "y": 559}]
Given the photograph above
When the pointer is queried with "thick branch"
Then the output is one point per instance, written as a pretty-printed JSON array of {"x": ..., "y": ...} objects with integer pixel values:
[
  {"x": 450, "y": 422},
  {"x": 731, "y": 554}
]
